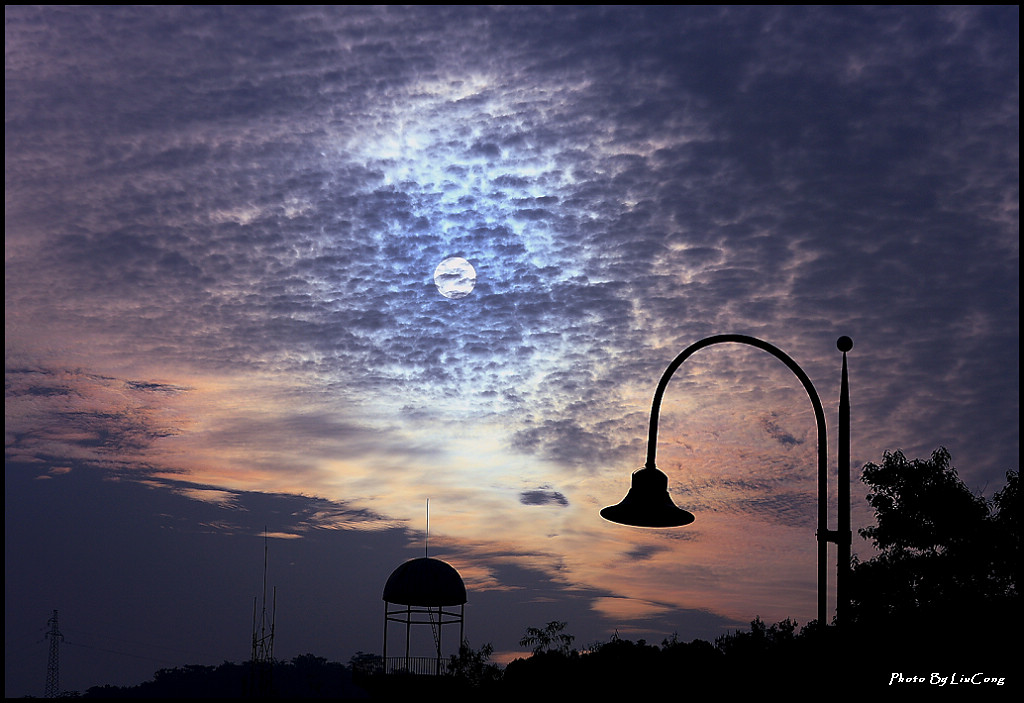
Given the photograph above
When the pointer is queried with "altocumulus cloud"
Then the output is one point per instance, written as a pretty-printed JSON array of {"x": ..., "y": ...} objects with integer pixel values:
[{"x": 222, "y": 224}]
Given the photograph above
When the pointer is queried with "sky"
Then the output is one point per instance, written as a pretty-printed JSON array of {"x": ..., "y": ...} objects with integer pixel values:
[{"x": 224, "y": 342}]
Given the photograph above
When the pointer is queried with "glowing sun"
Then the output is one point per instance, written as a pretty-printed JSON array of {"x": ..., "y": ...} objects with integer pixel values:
[{"x": 455, "y": 277}]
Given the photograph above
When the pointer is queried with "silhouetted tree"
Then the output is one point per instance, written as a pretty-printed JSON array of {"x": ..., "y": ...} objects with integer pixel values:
[
  {"x": 781, "y": 652},
  {"x": 553, "y": 668},
  {"x": 762, "y": 640},
  {"x": 921, "y": 506},
  {"x": 550, "y": 638},
  {"x": 366, "y": 663},
  {"x": 1006, "y": 545},
  {"x": 946, "y": 573},
  {"x": 473, "y": 666},
  {"x": 621, "y": 668}
]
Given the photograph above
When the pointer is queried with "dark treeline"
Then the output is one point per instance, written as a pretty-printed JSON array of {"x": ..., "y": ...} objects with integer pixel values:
[
  {"x": 624, "y": 668},
  {"x": 305, "y": 676},
  {"x": 781, "y": 656},
  {"x": 619, "y": 665}
]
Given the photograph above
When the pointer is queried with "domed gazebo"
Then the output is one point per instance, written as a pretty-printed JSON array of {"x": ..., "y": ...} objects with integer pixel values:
[{"x": 425, "y": 591}]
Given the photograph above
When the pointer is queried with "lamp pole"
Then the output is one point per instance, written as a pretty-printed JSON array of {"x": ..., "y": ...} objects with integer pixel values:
[{"x": 648, "y": 505}]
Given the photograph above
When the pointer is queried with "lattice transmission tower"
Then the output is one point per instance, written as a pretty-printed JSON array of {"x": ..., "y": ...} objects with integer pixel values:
[{"x": 53, "y": 666}]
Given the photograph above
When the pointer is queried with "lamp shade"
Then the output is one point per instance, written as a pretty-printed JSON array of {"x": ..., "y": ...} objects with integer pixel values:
[{"x": 647, "y": 504}]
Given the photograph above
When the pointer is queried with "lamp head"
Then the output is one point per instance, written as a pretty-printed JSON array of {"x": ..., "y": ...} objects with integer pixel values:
[{"x": 647, "y": 504}]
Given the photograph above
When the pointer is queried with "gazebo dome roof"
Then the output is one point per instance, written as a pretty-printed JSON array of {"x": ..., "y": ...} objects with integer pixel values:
[{"x": 425, "y": 582}]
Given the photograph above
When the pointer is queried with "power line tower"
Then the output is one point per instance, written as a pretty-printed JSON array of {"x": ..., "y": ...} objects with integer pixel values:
[
  {"x": 263, "y": 639},
  {"x": 53, "y": 666}
]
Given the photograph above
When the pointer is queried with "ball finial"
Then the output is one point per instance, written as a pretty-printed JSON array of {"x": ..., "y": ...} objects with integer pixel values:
[{"x": 844, "y": 344}]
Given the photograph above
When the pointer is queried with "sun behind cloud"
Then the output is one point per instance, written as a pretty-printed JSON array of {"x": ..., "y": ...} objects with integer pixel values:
[{"x": 455, "y": 277}]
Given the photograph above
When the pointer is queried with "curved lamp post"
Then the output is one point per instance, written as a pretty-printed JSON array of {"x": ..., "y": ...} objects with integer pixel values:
[{"x": 647, "y": 504}]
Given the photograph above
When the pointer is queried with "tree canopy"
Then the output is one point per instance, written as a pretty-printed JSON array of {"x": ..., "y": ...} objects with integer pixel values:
[
  {"x": 948, "y": 562},
  {"x": 549, "y": 638}
]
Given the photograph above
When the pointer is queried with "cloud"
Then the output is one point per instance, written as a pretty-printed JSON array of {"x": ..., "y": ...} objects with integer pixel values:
[
  {"x": 543, "y": 497},
  {"x": 628, "y": 608},
  {"x": 645, "y": 552},
  {"x": 772, "y": 428}
]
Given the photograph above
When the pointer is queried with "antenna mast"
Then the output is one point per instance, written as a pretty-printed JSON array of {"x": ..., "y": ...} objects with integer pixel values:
[
  {"x": 426, "y": 533},
  {"x": 262, "y": 640}
]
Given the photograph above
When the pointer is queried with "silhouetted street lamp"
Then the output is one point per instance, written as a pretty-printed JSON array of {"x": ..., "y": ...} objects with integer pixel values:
[{"x": 647, "y": 504}]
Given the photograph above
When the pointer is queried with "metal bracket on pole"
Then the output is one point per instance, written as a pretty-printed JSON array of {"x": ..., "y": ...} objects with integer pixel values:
[{"x": 837, "y": 537}]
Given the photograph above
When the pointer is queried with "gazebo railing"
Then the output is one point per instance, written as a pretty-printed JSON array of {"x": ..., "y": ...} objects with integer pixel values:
[{"x": 419, "y": 666}]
